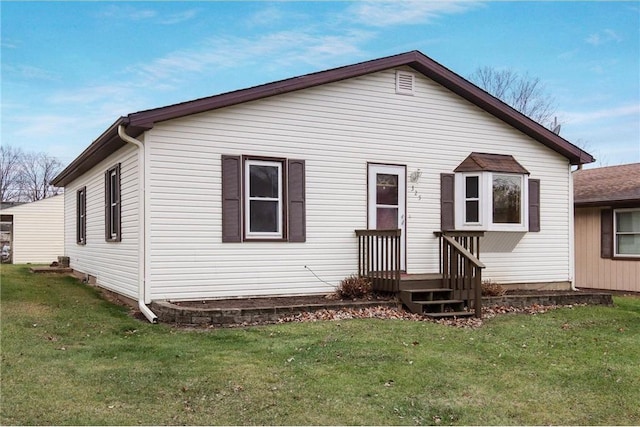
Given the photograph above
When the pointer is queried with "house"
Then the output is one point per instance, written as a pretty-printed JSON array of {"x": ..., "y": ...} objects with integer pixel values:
[
  {"x": 607, "y": 227},
  {"x": 260, "y": 191},
  {"x": 34, "y": 232}
]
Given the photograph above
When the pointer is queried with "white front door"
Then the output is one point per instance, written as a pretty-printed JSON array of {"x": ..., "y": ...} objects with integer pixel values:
[{"x": 387, "y": 201}]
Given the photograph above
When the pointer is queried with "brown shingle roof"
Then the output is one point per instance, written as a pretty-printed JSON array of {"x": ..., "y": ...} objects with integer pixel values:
[
  {"x": 478, "y": 162},
  {"x": 607, "y": 186}
]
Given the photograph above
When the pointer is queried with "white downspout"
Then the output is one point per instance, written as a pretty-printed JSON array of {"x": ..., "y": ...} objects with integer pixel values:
[
  {"x": 142, "y": 224},
  {"x": 572, "y": 241}
]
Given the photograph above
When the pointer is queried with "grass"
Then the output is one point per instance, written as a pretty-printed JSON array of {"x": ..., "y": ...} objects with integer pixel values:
[{"x": 69, "y": 357}]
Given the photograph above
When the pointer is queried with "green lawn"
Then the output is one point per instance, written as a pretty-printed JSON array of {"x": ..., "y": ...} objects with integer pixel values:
[{"x": 69, "y": 357}]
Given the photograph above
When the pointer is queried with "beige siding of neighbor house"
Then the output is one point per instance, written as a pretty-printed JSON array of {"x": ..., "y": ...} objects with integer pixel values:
[
  {"x": 337, "y": 129},
  {"x": 113, "y": 264},
  {"x": 592, "y": 271},
  {"x": 38, "y": 230}
]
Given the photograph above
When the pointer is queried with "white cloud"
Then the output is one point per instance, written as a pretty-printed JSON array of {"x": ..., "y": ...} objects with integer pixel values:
[
  {"x": 29, "y": 72},
  {"x": 134, "y": 13},
  {"x": 278, "y": 48},
  {"x": 388, "y": 13},
  {"x": 178, "y": 18},
  {"x": 603, "y": 37},
  {"x": 121, "y": 12},
  {"x": 605, "y": 113}
]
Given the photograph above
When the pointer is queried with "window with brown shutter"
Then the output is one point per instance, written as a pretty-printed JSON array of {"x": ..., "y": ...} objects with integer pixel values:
[{"x": 263, "y": 199}]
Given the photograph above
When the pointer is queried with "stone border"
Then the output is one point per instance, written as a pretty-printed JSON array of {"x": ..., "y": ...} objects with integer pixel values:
[
  {"x": 548, "y": 298},
  {"x": 172, "y": 313},
  {"x": 179, "y": 315}
]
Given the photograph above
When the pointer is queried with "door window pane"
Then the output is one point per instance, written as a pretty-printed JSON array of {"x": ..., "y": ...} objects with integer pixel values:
[
  {"x": 387, "y": 218},
  {"x": 386, "y": 189},
  {"x": 507, "y": 196}
]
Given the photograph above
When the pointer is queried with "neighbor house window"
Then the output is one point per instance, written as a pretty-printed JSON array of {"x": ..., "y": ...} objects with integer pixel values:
[
  {"x": 112, "y": 204},
  {"x": 264, "y": 198},
  {"x": 81, "y": 216},
  {"x": 627, "y": 232}
]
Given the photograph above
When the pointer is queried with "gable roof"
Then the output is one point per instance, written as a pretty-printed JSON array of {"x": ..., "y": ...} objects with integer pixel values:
[
  {"x": 608, "y": 186},
  {"x": 137, "y": 123}
]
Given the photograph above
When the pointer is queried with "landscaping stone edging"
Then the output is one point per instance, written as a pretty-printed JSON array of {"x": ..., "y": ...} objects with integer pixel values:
[
  {"x": 176, "y": 314},
  {"x": 172, "y": 313},
  {"x": 565, "y": 298}
]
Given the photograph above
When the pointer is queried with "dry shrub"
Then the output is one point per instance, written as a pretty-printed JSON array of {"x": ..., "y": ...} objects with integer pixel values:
[
  {"x": 354, "y": 287},
  {"x": 490, "y": 289}
]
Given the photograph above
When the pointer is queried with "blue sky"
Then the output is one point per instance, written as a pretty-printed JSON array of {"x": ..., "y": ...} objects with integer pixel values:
[{"x": 70, "y": 69}]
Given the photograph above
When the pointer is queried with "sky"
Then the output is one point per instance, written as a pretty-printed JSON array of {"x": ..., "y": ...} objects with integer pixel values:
[{"x": 70, "y": 69}]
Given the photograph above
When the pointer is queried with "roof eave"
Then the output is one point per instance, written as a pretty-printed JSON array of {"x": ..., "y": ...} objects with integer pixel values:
[{"x": 104, "y": 145}]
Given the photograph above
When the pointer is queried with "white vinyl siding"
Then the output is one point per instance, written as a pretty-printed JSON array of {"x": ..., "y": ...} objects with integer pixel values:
[
  {"x": 38, "y": 230},
  {"x": 113, "y": 264},
  {"x": 336, "y": 128}
]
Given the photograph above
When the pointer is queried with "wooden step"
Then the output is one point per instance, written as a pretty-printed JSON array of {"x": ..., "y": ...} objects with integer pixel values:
[
  {"x": 449, "y": 314},
  {"x": 420, "y": 281},
  {"x": 440, "y": 301},
  {"x": 440, "y": 306}
]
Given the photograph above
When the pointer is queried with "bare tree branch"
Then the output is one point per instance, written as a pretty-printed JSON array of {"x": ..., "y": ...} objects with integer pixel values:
[
  {"x": 522, "y": 92},
  {"x": 10, "y": 169},
  {"x": 26, "y": 177}
]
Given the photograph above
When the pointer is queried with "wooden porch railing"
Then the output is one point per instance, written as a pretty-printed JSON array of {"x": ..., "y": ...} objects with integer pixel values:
[
  {"x": 379, "y": 258},
  {"x": 460, "y": 266}
]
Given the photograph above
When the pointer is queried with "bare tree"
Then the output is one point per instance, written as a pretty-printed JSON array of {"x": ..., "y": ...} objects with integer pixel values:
[
  {"x": 26, "y": 177},
  {"x": 524, "y": 93},
  {"x": 38, "y": 169},
  {"x": 10, "y": 170}
]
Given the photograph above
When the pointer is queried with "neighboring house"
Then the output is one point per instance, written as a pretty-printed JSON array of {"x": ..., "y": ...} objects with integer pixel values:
[
  {"x": 259, "y": 191},
  {"x": 607, "y": 227},
  {"x": 34, "y": 231}
]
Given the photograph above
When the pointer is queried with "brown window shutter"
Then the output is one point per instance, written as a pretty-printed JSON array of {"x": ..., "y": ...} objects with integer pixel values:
[
  {"x": 447, "y": 201},
  {"x": 534, "y": 205},
  {"x": 296, "y": 200},
  {"x": 231, "y": 198},
  {"x": 606, "y": 233}
]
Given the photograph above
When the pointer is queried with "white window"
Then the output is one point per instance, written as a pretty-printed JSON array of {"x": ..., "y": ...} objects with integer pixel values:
[
  {"x": 263, "y": 204},
  {"x": 627, "y": 232},
  {"x": 471, "y": 204},
  {"x": 491, "y": 201},
  {"x": 112, "y": 201}
]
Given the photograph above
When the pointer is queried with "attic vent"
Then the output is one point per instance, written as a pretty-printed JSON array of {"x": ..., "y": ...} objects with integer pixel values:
[{"x": 404, "y": 82}]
